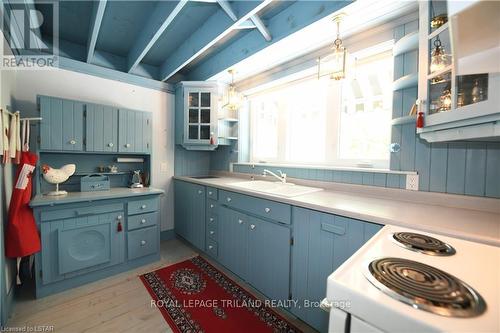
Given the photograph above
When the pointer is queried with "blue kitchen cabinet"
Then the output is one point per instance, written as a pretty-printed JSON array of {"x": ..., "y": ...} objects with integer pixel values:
[
  {"x": 189, "y": 212},
  {"x": 233, "y": 233},
  {"x": 61, "y": 128},
  {"x": 101, "y": 128},
  {"x": 134, "y": 131},
  {"x": 196, "y": 115},
  {"x": 322, "y": 242},
  {"x": 269, "y": 258}
]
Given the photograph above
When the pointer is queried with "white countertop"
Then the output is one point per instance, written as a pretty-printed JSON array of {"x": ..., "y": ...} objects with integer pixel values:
[{"x": 469, "y": 224}]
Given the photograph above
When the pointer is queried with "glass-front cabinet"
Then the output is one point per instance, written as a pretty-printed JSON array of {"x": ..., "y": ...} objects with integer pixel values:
[
  {"x": 456, "y": 104},
  {"x": 196, "y": 115}
]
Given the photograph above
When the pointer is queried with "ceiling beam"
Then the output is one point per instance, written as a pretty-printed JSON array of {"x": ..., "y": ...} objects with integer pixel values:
[
  {"x": 164, "y": 14},
  {"x": 95, "y": 26},
  {"x": 292, "y": 19},
  {"x": 35, "y": 23},
  {"x": 215, "y": 28},
  {"x": 246, "y": 25},
  {"x": 261, "y": 27},
  {"x": 224, "y": 4}
]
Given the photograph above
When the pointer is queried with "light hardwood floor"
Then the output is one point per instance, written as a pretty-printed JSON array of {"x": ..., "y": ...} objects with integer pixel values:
[{"x": 116, "y": 304}]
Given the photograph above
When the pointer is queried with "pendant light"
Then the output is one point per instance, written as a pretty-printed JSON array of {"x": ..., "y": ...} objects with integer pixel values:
[
  {"x": 439, "y": 59},
  {"x": 334, "y": 64},
  {"x": 234, "y": 98}
]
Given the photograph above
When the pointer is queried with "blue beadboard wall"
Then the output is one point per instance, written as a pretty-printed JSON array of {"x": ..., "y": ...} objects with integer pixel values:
[{"x": 191, "y": 163}]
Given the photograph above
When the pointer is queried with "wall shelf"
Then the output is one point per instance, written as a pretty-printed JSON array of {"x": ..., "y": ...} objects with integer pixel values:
[
  {"x": 404, "y": 120},
  {"x": 438, "y": 31},
  {"x": 407, "y": 81},
  {"x": 229, "y": 120},
  {"x": 406, "y": 44}
]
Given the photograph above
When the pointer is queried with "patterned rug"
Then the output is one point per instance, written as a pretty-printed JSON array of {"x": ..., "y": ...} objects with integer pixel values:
[{"x": 193, "y": 296}]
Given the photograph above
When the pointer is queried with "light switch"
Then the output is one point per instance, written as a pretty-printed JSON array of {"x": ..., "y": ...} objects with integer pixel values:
[{"x": 163, "y": 167}]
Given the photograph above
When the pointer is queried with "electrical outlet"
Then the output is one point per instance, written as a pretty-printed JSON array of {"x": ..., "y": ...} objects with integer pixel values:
[{"x": 412, "y": 182}]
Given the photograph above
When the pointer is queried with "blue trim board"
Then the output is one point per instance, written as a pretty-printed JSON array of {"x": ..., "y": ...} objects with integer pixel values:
[{"x": 167, "y": 235}]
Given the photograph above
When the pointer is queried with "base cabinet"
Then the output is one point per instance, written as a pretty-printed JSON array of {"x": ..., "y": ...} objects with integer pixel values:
[
  {"x": 322, "y": 242},
  {"x": 189, "y": 212}
]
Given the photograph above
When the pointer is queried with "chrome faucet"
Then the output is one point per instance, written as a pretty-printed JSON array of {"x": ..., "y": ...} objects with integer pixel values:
[{"x": 281, "y": 177}]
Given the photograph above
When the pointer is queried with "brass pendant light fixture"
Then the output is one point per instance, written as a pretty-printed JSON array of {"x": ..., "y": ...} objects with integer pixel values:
[
  {"x": 234, "y": 98},
  {"x": 334, "y": 64}
]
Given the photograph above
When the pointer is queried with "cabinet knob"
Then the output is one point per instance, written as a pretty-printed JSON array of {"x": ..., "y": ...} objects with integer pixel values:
[
  {"x": 143, "y": 242},
  {"x": 240, "y": 221},
  {"x": 127, "y": 145},
  {"x": 143, "y": 207},
  {"x": 267, "y": 209},
  {"x": 210, "y": 247},
  {"x": 110, "y": 144},
  {"x": 119, "y": 217},
  {"x": 211, "y": 205},
  {"x": 200, "y": 191},
  {"x": 212, "y": 232},
  {"x": 252, "y": 226},
  {"x": 209, "y": 192},
  {"x": 228, "y": 199},
  {"x": 143, "y": 221},
  {"x": 73, "y": 142},
  {"x": 211, "y": 219}
]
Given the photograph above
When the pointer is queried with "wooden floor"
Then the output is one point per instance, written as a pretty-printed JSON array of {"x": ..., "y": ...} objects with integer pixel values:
[{"x": 117, "y": 304}]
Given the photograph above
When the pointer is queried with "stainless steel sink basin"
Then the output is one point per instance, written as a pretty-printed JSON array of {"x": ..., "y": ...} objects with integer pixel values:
[{"x": 276, "y": 188}]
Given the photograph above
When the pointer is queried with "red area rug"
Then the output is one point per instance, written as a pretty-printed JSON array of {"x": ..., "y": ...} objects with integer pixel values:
[{"x": 194, "y": 296}]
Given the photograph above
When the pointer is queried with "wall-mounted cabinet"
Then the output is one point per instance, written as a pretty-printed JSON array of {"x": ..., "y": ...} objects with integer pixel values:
[
  {"x": 134, "y": 128},
  {"x": 196, "y": 115},
  {"x": 102, "y": 128},
  {"x": 456, "y": 107}
]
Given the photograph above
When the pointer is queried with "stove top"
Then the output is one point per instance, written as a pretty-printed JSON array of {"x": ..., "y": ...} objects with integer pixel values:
[
  {"x": 423, "y": 244},
  {"x": 424, "y": 287}
]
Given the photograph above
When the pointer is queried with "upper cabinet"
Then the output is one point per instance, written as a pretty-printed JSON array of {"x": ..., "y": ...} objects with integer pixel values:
[
  {"x": 62, "y": 125},
  {"x": 196, "y": 115},
  {"x": 460, "y": 102},
  {"x": 74, "y": 126}
]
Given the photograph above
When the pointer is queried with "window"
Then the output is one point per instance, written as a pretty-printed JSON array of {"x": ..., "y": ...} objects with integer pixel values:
[{"x": 326, "y": 122}]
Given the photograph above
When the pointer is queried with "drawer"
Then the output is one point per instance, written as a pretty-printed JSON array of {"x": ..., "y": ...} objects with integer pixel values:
[
  {"x": 212, "y": 232},
  {"x": 260, "y": 207},
  {"x": 212, "y": 193},
  {"x": 80, "y": 211},
  {"x": 212, "y": 206},
  {"x": 142, "y": 242},
  {"x": 142, "y": 220},
  {"x": 212, "y": 248},
  {"x": 142, "y": 206}
]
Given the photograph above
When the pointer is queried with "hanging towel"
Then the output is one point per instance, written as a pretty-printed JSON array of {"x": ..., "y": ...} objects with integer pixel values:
[
  {"x": 15, "y": 138},
  {"x": 5, "y": 137}
]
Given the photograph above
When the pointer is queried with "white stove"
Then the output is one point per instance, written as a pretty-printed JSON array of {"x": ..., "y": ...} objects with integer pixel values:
[{"x": 404, "y": 280}]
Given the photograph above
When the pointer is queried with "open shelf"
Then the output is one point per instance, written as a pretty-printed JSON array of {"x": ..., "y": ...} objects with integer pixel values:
[
  {"x": 404, "y": 120},
  {"x": 229, "y": 120},
  {"x": 407, "y": 81},
  {"x": 438, "y": 31},
  {"x": 406, "y": 44}
]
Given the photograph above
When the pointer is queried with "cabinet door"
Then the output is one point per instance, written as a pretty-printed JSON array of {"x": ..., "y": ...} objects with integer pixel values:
[
  {"x": 76, "y": 246},
  {"x": 232, "y": 249},
  {"x": 135, "y": 131},
  {"x": 200, "y": 117},
  {"x": 269, "y": 258},
  {"x": 322, "y": 242},
  {"x": 102, "y": 128},
  {"x": 190, "y": 213},
  {"x": 62, "y": 125}
]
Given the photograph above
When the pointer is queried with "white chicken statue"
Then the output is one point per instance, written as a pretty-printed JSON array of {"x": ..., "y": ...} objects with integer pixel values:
[{"x": 57, "y": 176}]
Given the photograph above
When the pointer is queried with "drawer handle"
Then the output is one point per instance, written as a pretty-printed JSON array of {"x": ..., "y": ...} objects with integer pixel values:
[
  {"x": 143, "y": 221},
  {"x": 267, "y": 209},
  {"x": 127, "y": 145},
  {"x": 210, "y": 247},
  {"x": 110, "y": 144},
  {"x": 143, "y": 242},
  {"x": 209, "y": 192},
  {"x": 73, "y": 142},
  {"x": 228, "y": 199},
  {"x": 200, "y": 191},
  {"x": 212, "y": 232},
  {"x": 211, "y": 219},
  {"x": 332, "y": 228},
  {"x": 240, "y": 221},
  {"x": 143, "y": 207},
  {"x": 252, "y": 226}
]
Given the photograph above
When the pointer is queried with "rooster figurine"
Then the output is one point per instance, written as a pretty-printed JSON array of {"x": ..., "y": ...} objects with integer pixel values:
[{"x": 57, "y": 176}]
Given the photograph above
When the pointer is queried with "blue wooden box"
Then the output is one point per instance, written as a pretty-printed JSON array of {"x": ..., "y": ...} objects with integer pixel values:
[{"x": 94, "y": 182}]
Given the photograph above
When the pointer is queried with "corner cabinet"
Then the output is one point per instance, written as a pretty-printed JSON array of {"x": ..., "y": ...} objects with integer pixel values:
[
  {"x": 459, "y": 99},
  {"x": 196, "y": 115}
]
